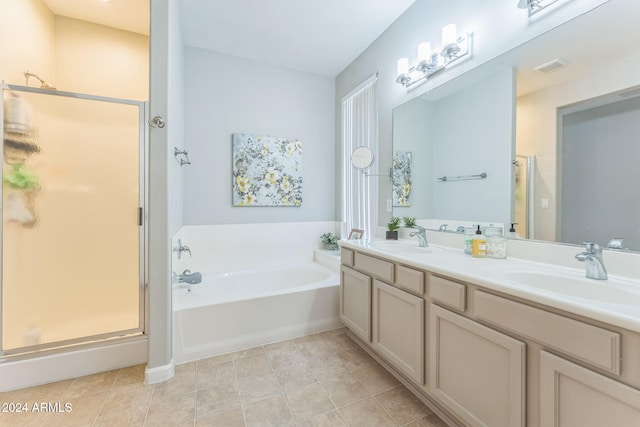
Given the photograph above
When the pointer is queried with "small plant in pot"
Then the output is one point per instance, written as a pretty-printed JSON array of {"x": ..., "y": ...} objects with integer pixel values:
[
  {"x": 392, "y": 228},
  {"x": 329, "y": 241},
  {"x": 409, "y": 222}
]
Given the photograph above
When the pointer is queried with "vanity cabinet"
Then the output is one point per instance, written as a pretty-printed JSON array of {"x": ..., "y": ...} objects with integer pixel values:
[
  {"x": 571, "y": 395},
  {"x": 398, "y": 329},
  {"x": 475, "y": 371},
  {"x": 487, "y": 358}
]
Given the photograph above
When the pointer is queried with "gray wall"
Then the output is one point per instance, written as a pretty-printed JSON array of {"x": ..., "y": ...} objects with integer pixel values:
[
  {"x": 159, "y": 248},
  {"x": 475, "y": 133},
  {"x": 466, "y": 133},
  {"x": 175, "y": 115},
  {"x": 600, "y": 174},
  {"x": 226, "y": 95},
  {"x": 413, "y": 124}
]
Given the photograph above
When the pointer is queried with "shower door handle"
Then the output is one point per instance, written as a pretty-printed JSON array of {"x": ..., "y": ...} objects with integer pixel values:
[{"x": 157, "y": 122}]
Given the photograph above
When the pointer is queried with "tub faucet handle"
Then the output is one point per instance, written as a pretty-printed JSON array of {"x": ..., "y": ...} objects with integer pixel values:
[
  {"x": 616, "y": 243},
  {"x": 181, "y": 248},
  {"x": 593, "y": 248}
]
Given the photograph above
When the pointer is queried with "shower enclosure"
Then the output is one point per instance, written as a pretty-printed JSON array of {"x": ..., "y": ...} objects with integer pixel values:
[
  {"x": 524, "y": 191},
  {"x": 73, "y": 194}
]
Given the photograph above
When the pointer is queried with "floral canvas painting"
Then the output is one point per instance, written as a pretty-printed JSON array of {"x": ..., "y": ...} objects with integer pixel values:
[
  {"x": 267, "y": 171},
  {"x": 401, "y": 173}
]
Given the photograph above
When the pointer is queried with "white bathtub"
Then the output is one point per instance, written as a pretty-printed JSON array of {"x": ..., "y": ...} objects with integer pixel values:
[{"x": 239, "y": 309}]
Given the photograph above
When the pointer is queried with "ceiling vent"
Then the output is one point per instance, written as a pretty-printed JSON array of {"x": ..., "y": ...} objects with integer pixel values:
[{"x": 551, "y": 65}]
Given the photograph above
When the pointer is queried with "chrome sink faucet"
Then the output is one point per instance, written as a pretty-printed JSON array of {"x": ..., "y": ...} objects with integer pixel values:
[
  {"x": 422, "y": 236},
  {"x": 592, "y": 258}
]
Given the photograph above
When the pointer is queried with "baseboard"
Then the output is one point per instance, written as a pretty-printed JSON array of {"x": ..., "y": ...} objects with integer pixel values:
[{"x": 159, "y": 373}]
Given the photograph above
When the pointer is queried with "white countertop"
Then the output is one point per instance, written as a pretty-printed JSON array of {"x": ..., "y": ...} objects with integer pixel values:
[{"x": 492, "y": 273}]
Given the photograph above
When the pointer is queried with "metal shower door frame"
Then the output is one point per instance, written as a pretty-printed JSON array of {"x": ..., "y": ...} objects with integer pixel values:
[
  {"x": 143, "y": 202},
  {"x": 530, "y": 162}
]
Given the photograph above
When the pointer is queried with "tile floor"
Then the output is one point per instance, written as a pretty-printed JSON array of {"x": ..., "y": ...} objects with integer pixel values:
[{"x": 318, "y": 380}]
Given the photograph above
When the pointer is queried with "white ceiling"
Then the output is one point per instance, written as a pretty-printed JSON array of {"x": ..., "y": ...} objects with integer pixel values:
[
  {"x": 318, "y": 36},
  {"x": 129, "y": 15}
]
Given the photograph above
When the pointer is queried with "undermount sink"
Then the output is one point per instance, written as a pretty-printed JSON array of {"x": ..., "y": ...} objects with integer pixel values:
[
  {"x": 611, "y": 291},
  {"x": 405, "y": 248}
]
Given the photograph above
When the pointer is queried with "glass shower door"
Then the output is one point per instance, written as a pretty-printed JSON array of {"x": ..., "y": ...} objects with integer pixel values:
[
  {"x": 72, "y": 240},
  {"x": 524, "y": 191}
]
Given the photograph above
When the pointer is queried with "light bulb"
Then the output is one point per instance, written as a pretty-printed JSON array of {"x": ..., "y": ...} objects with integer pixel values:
[
  {"x": 424, "y": 51},
  {"x": 449, "y": 35},
  {"x": 403, "y": 66}
]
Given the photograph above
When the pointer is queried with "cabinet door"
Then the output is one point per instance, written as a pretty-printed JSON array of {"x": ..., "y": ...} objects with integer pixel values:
[
  {"x": 476, "y": 371},
  {"x": 573, "y": 396},
  {"x": 398, "y": 331},
  {"x": 355, "y": 302}
]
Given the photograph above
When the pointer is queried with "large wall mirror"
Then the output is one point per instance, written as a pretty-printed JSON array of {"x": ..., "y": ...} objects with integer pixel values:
[{"x": 555, "y": 126}]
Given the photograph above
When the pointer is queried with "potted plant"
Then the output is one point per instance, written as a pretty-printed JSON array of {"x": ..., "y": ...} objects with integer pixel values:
[
  {"x": 329, "y": 241},
  {"x": 392, "y": 228},
  {"x": 409, "y": 222}
]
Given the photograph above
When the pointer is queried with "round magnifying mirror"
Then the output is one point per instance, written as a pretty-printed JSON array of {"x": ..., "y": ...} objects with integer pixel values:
[{"x": 362, "y": 157}]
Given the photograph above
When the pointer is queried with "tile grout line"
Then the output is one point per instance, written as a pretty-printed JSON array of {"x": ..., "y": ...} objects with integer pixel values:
[
  {"x": 335, "y": 406},
  {"x": 284, "y": 393},
  {"x": 195, "y": 392},
  {"x": 235, "y": 377},
  {"x": 146, "y": 412},
  {"x": 115, "y": 380},
  {"x": 382, "y": 406}
]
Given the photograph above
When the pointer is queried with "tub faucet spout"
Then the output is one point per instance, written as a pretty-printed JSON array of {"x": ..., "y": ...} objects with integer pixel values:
[{"x": 186, "y": 277}]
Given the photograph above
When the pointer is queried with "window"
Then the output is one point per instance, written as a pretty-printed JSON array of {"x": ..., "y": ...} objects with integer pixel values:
[{"x": 360, "y": 128}]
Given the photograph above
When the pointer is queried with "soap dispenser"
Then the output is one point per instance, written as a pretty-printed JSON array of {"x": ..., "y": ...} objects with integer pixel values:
[
  {"x": 479, "y": 245},
  {"x": 469, "y": 232},
  {"x": 512, "y": 231}
]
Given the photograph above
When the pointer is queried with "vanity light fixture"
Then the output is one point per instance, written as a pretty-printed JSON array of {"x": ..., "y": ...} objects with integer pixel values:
[
  {"x": 535, "y": 6},
  {"x": 430, "y": 62}
]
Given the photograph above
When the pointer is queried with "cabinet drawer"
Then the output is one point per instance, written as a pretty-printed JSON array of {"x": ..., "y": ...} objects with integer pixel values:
[
  {"x": 582, "y": 341},
  {"x": 444, "y": 291},
  {"x": 410, "y": 279},
  {"x": 346, "y": 257},
  {"x": 377, "y": 267}
]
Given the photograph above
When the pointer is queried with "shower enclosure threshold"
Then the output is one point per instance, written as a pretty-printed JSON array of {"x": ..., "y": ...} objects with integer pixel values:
[{"x": 63, "y": 363}]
